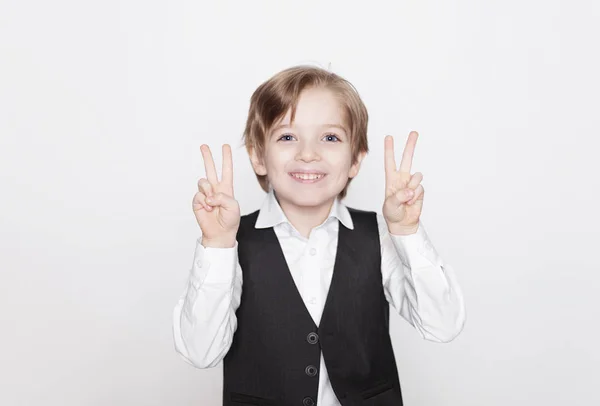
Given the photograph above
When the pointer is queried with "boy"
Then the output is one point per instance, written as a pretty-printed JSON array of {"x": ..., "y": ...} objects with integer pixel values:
[{"x": 311, "y": 324}]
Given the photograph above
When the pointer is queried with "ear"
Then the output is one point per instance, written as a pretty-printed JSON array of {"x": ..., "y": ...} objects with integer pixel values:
[
  {"x": 356, "y": 166},
  {"x": 257, "y": 163}
]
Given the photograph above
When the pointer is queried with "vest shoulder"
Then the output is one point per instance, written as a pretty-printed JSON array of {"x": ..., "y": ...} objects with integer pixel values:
[
  {"x": 366, "y": 213},
  {"x": 249, "y": 220},
  {"x": 359, "y": 211},
  {"x": 365, "y": 220},
  {"x": 247, "y": 223},
  {"x": 250, "y": 216}
]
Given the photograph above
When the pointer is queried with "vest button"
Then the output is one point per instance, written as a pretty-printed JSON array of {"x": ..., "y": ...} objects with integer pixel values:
[
  {"x": 311, "y": 370},
  {"x": 312, "y": 338},
  {"x": 308, "y": 401}
]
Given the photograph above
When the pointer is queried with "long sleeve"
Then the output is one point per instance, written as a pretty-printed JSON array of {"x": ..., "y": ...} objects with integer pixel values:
[
  {"x": 204, "y": 319},
  {"x": 420, "y": 286}
]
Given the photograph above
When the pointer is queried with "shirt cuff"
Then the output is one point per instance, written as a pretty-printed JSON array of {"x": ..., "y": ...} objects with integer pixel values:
[
  {"x": 417, "y": 248},
  {"x": 213, "y": 265}
]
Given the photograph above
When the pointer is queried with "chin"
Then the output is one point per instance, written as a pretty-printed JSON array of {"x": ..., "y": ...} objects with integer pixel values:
[
  {"x": 307, "y": 199},
  {"x": 311, "y": 201}
]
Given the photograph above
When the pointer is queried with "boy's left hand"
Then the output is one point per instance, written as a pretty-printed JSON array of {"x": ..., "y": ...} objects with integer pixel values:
[{"x": 403, "y": 191}]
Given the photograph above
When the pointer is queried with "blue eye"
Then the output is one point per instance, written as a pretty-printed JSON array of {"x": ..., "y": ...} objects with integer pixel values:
[
  {"x": 332, "y": 137},
  {"x": 286, "y": 137}
]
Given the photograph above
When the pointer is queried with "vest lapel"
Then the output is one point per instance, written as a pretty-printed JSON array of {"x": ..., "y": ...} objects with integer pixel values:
[
  {"x": 346, "y": 258},
  {"x": 287, "y": 280}
]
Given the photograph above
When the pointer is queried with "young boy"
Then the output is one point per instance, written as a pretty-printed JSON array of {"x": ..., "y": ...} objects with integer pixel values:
[{"x": 294, "y": 298}]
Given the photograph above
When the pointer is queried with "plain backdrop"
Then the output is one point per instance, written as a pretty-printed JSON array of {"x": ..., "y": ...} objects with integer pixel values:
[{"x": 103, "y": 108}]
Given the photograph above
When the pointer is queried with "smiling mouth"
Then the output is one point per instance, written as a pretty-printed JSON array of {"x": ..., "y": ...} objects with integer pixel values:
[{"x": 307, "y": 177}]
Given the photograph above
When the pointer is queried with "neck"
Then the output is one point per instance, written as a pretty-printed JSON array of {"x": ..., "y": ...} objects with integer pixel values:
[{"x": 305, "y": 218}]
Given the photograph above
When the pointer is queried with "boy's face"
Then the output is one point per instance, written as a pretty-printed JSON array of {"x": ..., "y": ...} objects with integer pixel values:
[{"x": 308, "y": 163}]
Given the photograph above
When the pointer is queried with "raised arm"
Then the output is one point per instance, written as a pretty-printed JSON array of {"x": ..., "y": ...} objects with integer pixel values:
[{"x": 204, "y": 320}]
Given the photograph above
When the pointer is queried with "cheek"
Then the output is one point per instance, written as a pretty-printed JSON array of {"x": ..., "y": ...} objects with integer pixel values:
[
  {"x": 277, "y": 159},
  {"x": 342, "y": 162}
]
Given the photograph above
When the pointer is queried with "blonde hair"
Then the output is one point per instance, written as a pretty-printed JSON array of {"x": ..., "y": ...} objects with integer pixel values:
[{"x": 275, "y": 97}]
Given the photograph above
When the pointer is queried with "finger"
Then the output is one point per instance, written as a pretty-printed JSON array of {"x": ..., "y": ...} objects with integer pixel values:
[
  {"x": 389, "y": 159},
  {"x": 401, "y": 197},
  {"x": 409, "y": 150},
  {"x": 199, "y": 202},
  {"x": 415, "y": 180},
  {"x": 205, "y": 187},
  {"x": 222, "y": 200},
  {"x": 227, "y": 172},
  {"x": 419, "y": 194},
  {"x": 209, "y": 164}
]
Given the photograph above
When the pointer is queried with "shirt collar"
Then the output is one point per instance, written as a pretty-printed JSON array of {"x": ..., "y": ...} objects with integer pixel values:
[{"x": 271, "y": 214}]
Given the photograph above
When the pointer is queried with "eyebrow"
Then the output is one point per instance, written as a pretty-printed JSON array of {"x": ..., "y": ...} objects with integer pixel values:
[{"x": 339, "y": 126}]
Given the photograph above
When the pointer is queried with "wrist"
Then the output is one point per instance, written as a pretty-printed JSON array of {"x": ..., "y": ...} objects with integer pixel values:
[
  {"x": 225, "y": 242},
  {"x": 396, "y": 229}
]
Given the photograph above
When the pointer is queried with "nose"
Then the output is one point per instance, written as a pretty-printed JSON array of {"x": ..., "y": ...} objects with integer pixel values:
[{"x": 307, "y": 152}]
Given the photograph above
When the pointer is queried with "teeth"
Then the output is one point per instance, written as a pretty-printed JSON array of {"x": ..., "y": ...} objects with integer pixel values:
[{"x": 307, "y": 176}]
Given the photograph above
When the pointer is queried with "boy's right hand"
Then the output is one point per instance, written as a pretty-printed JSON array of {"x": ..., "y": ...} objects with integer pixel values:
[{"x": 215, "y": 208}]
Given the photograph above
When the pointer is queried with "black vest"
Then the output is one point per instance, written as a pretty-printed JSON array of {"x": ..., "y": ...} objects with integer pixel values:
[{"x": 275, "y": 354}]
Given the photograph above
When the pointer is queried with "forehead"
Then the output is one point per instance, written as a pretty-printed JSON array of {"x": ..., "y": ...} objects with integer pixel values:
[{"x": 315, "y": 107}]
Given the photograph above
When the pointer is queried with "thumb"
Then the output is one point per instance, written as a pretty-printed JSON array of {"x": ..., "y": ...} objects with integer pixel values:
[
  {"x": 222, "y": 200},
  {"x": 402, "y": 196}
]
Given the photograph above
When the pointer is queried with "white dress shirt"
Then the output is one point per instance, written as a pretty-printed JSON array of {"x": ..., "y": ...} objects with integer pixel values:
[{"x": 417, "y": 283}]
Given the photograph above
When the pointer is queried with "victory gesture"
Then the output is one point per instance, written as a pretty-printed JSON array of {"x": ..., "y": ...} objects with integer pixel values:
[
  {"x": 403, "y": 191},
  {"x": 216, "y": 210}
]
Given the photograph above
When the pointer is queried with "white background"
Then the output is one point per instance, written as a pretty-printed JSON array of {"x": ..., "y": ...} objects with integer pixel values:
[{"x": 103, "y": 107}]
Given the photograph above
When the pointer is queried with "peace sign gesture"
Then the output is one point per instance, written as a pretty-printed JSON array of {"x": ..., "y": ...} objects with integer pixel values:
[
  {"x": 403, "y": 191},
  {"x": 216, "y": 210}
]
